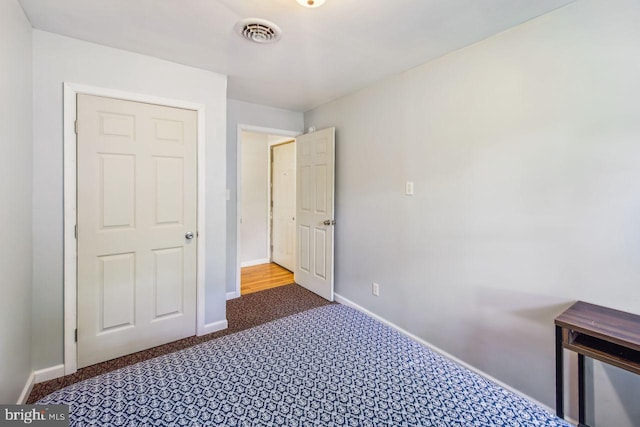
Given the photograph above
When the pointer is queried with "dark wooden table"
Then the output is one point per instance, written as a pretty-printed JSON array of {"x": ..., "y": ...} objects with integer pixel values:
[{"x": 601, "y": 333}]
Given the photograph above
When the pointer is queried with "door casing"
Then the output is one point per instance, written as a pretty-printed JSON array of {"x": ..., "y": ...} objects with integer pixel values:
[{"x": 70, "y": 210}]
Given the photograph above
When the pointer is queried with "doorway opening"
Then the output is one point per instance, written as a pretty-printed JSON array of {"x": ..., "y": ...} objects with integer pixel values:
[{"x": 266, "y": 209}]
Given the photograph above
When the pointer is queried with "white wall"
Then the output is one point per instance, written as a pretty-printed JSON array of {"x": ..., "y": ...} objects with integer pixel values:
[
  {"x": 58, "y": 59},
  {"x": 525, "y": 153},
  {"x": 254, "y": 197},
  {"x": 15, "y": 197},
  {"x": 244, "y": 113}
]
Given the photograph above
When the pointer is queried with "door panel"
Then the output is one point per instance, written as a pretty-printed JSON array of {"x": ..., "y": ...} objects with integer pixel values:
[
  {"x": 315, "y": 205},
  {"x": 169, "y": 195},
  {"x": 117, "y": 290},
  {"x": 305, "y": 192},
  {"x": 304, "y": 257},
  {"x": 117, "y": 190},
  {"x": 136, "y": 180},
  {"x": 168, "y": 281},
  {"x": 321, "y": 189},
  {"x": 320, "y": 252}
]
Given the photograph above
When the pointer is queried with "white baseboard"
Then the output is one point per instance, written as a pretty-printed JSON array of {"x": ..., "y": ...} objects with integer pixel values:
[
  {"x": 342, "y": 300},
  {"x": 46, "y": 374},
  {"x": 232, "y": 295},
  {"x": 213, "y": 327},
  {"x": 255, "y": 262},
  {"x": 26, "y": 391},
  {"x": 40, "y": 376}
]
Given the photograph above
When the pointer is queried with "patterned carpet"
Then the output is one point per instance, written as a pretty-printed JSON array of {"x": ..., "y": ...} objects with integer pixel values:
[
  {"x": 329, "y": 366},
  {"x": 242, "y": 313}
]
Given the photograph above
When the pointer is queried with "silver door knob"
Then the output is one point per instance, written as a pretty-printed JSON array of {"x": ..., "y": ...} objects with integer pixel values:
[
  {"x": 189, "y": 235},
  {"x": 329, "y": 222}
]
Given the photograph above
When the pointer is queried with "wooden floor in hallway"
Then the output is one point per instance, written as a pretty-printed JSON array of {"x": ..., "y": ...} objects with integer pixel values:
[{"x": 264, "y": 276}]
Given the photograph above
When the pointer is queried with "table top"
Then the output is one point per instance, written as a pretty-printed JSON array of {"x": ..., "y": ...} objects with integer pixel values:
[{"x": 615, "y": 326}]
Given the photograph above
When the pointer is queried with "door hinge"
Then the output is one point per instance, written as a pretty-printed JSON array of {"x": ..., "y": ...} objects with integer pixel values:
[
  {"x": 75, "y": 126},
  {"x": 76, "y": 335},
  {"x": 75, "y": 231}
]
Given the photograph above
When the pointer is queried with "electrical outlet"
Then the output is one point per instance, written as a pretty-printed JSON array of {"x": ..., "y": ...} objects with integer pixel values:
[{"x": 375, "y": 289}]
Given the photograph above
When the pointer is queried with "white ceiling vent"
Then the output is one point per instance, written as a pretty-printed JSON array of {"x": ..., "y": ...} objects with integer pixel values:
[{"x": 259, "y": 30}]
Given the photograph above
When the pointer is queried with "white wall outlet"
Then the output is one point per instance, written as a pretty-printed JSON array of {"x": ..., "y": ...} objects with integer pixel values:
[
  {"x": 375, "y": 289},
  {"x": 409, "y": 188}
]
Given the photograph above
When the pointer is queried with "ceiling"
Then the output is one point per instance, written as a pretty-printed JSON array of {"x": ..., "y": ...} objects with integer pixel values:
[{"x": 324, "y": 53}]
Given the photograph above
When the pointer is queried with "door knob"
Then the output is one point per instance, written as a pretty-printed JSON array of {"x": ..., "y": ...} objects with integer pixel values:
[
  {"x": 189, "y": 235},
  {"x": 329, "y": 222}
]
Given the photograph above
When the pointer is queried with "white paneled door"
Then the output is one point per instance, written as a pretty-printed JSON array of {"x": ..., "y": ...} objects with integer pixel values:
[
  {"x": 315, "y": 164},
  {"x": 137, "y": 197},
  {"x": 283, "y": 199}
]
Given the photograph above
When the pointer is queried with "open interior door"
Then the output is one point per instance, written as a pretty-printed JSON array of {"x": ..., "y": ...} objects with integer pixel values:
[{"x": 315, "y": 154}]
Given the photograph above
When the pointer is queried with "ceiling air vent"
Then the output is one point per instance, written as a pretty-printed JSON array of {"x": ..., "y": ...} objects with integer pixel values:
[{"x": 259, "y": 30}]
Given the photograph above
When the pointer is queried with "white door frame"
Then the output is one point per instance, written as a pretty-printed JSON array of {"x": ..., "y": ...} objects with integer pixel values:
[
  {"x": 257, "y": 129},
  {"x": 71, "y": 90}
]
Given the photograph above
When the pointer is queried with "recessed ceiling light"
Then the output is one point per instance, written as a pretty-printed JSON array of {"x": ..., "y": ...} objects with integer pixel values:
[{"x": 311, "y": 3}]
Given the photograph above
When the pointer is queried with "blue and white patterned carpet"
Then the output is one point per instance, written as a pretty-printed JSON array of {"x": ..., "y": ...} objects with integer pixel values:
[{"x": 330, "y": 366}]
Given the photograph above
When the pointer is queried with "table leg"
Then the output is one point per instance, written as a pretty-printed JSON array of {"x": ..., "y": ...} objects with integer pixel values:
[
  {"x": 581, "y": 390},
  {"x": 559, "y": 374}
]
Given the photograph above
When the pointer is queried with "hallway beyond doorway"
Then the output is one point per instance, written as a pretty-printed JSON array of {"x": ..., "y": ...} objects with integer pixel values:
[{"x": 264, "y": 276}]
